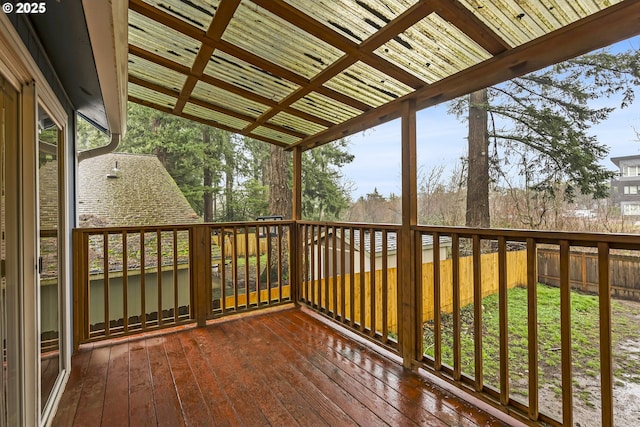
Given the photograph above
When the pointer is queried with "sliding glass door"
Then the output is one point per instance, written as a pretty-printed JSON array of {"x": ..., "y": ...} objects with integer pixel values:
[{"x": 50, "y": 267}]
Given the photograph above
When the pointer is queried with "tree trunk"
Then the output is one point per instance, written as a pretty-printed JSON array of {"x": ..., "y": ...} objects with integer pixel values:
[
  {"x": 478, "y": 172},
  {"x": 279, "y": 204},
  {"x": 228, "y": 188},
  {"x": 279, "y": 191},
  {"x": 207, "y": 196}
]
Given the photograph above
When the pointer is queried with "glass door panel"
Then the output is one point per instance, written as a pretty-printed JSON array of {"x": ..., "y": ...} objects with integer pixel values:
[{"x": 49, "y": 264}]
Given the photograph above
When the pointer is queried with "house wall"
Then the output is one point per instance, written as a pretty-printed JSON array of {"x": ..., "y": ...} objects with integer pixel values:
[
  {"x": 626, "y": 189},
  {"x": 134, "y": 295}
]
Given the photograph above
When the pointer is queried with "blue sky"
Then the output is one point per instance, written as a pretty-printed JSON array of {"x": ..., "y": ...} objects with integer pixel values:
[{"x": 442, "y": 141}]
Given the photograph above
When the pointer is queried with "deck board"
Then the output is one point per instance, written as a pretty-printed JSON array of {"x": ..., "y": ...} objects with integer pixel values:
[{"x": 276, "y": 369}]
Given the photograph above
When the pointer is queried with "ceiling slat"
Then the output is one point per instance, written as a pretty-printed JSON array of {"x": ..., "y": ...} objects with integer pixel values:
[
  {"x": 348, "y": 65},
  {"x": 622, "y": 21}
]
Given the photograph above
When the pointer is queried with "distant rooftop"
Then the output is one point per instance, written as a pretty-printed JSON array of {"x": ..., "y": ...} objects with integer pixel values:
[
  {"x": 140, "y": 192},
  {"x": 616, "y": 160}
]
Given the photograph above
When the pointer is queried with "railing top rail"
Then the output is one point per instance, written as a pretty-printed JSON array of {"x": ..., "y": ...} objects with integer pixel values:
[
  {"x": 248, "y": 223},
  {"x": 132, "y": 228},
  {"x": 615, "y": 240},
  {"x": 391, "y": 227},
  {"x": 179, "y": 227}
]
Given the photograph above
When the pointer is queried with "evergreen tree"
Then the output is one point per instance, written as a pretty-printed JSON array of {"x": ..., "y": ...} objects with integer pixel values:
[{"x": 540, "y": 122}]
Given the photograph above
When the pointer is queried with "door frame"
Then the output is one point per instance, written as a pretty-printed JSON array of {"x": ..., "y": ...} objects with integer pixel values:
[{"x": 20, "y": 69}]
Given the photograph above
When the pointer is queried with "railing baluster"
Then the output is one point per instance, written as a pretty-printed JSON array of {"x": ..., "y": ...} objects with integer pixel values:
[
  {"x": 606, "y": 356},
  {"x": 477, "y": 312},
  {"x": 175, "y": 276},
  {"x": 504, "y": 319},
  {"x": 234, "y": 264},
  {"x": 334, "y": 272},
  {"x": 457, "y": 349},
  {"x": 352, "y": 278},
  {"x": 417, "y": 266},
  {"x": 437, "y": 317},
  {"x": 532, "y": 324},
  {"x": 304, "y": 267},
  {"x": 314, "y": 254},
  {"x": 319, "y": 261},
  {"x": 87, "y": 288},
  {"x": 269, "y": 262},
  {"x": 362, "y": 281},
  {"x": 247, "y": 287},
  {"x": 143, "y": 296},
  {"x": 565, "y": 335},
  {"x": 257, "y": 237},
  {"x": 105, "y": 266},
  {"x": 280, "y": 278},
  {"x": 343, "y": 294},
  {"x": 223, "y": 271},
  {"x": 327, "y": 295},
  {"x": 159, "y": 274},
  {"x": 372, "y": 281},
  {"x": 125, "y": 284},
  {"x": 384, "y": 286}
]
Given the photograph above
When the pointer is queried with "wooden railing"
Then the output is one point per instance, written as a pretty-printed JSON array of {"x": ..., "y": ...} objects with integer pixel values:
[
  {"x": 129, "y": 280},
  {"x": 348, "y": 272},
  {"x": 445, "y": 352},
  {"x": 135, "y": 279}
]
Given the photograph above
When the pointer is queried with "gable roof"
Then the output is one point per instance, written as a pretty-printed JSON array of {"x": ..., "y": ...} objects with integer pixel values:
[
  {"x": 307, "y": 72},
  {"x": 143, "y": 193},
  {"x": 392, "y": 241}
]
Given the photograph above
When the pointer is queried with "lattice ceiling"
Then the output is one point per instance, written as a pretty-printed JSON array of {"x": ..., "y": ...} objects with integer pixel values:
[{"x": 307, "y": 72}]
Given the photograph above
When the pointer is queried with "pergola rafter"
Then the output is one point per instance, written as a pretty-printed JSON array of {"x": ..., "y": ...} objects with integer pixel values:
[{"x": 299, "y": 73}]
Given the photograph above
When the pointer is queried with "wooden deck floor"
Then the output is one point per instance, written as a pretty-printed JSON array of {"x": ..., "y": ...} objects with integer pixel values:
[{"x": 280, "y": 369}]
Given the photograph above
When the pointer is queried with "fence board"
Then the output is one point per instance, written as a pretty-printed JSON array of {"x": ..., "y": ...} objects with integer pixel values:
[
  {"x": 516, "y": 276},
  {"x": 624, "y": 272}
]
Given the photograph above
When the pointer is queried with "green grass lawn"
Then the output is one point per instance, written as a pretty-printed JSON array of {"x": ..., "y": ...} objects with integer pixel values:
[{"x": 584, "y": 335}]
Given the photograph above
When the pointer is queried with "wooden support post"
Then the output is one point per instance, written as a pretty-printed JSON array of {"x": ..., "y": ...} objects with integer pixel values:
[
  {"x": 296, "y": 215},
  {"x": 606, "y": 355},
  {"x": 201, "y": 271},
  {"x": 406, "y": 270}
]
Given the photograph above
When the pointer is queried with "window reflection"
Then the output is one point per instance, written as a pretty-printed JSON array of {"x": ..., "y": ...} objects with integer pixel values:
[{"x": 49, "y": 190}]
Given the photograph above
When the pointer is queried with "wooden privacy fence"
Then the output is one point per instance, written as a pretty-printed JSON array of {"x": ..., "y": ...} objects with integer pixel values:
[
  {"x": 624, "y": 272},
  {"x": 242, "y": 242},
  {"x": 516, "y": 276},
  {"x": 489, "y": 283}
]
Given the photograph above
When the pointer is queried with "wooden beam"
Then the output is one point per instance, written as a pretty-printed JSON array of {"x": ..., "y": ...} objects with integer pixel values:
[
  {"x": 621, "y": 21},
  {"x": 354, "y": 52},
  {"x": 219, "y": 23},
  {"x": 166, "y": 19},
  {"x": 159, "y": 60},
  {"x": 206, "y": 122},
  {"x": 170, "y": 92},
  {"x": 334, "y": 38},
  {"x": 471, "y": 25}
]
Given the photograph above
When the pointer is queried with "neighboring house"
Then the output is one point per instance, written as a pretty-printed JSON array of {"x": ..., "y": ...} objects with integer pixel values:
[
  {"x": 139, "y": 191},
  {"x": 626, "y": 190},
  {"x": 357, "y": 247},
  {"x": 122, "y": 189}
]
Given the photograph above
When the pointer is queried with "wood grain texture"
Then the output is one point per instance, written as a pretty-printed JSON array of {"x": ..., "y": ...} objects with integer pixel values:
[{"x": 281, "y": 368}]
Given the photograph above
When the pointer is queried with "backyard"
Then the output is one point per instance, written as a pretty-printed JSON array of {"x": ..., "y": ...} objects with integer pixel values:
[{"x": 586, "y": 358}]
